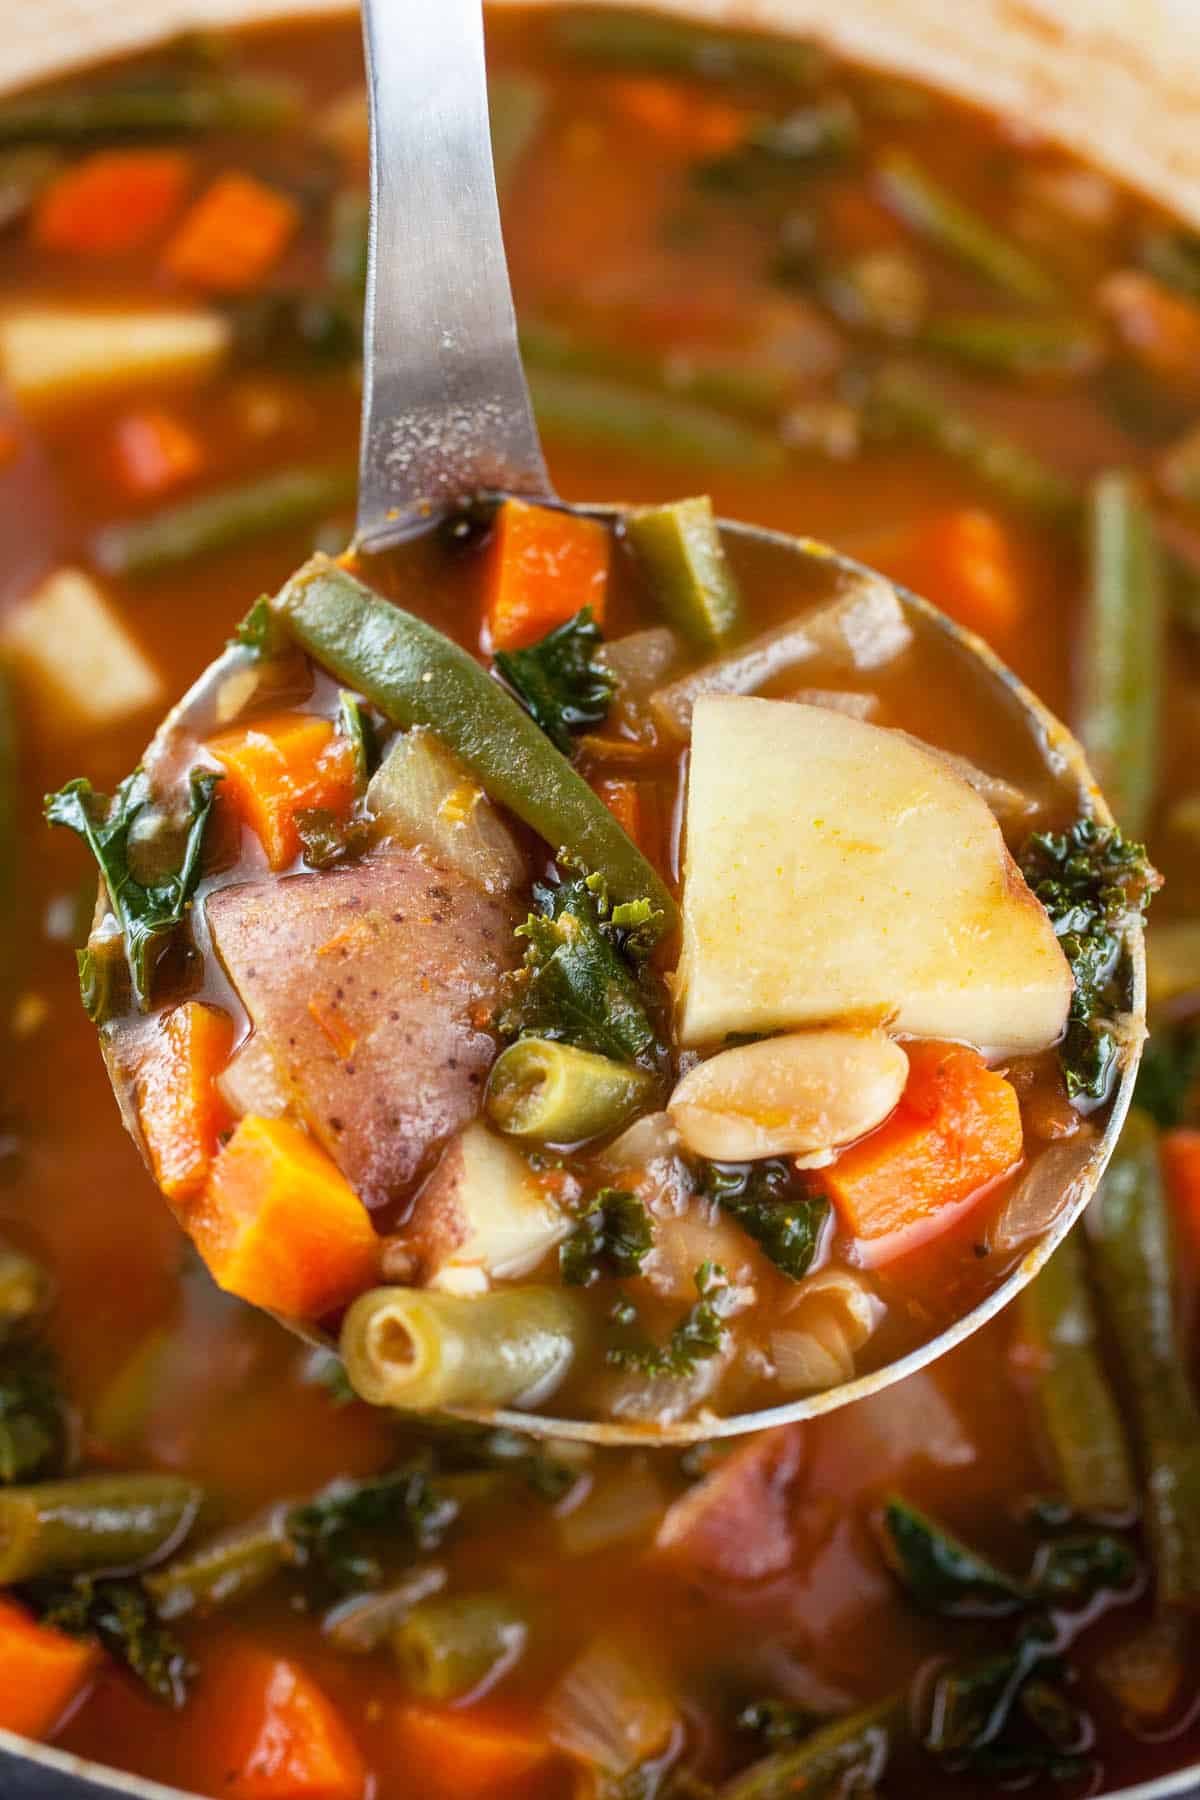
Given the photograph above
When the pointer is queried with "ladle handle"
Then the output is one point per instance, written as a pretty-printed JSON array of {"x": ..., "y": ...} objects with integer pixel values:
[{"x": 446, "y": 412}]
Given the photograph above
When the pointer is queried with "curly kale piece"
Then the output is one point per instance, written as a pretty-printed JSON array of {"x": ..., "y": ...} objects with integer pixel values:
[
  {"x": 121, "y": 1614},
  {"x": 332, "y": 1532},
  {"x": 770, "y": 1204},
  {"x": 1091, "y": 881},
  {"x": 559, "y": 680},
  {"x": 33, "y": 1414},
  {"x": 614, "y": 1236},
  {"x": 697, "y": 1336}
]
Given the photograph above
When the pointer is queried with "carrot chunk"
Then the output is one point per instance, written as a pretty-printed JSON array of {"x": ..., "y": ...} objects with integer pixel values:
[
  {"x": 233, "y": 236},
  {"x": 449, "y": 1755},
  {"x": 112, "y": 202},
  {"x": 632, "y": 805},
  {"x": 684, "y": 119},
  {"x": 155, "y": 453},
  {"x": 1181, "y": 1166},
  {"x": 279, "y": 1224},
  {"x": 180, "y": 1109},
  {"x": 545, "y": 565},
  {"x": 280, "y": 766},
  {"x": 264, "y": 1730},
  {"x": 965, "y": 562},
  {"x": 42, "y": 1672},
  {"x": 956, "y": 1130}
]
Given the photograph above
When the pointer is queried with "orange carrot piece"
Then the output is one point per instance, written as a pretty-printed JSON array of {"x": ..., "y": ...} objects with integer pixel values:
[
  {"x": 42, "y": 1672},
  {"x": 683, "y": 119},
  {"x": 956, "y": 1130},
  {"x": 180, "y": 1109},
  {"x": 112, "y": 202},
  {"x": 155, "y": 452},
  {"x": 1160, "y": 329},
  {"x": 545, "y": 565},
  {"x": 279, "y": 1224},
  {"x": 264, "y": 1730},
  {"x": 450, "y": 1755},
  {"x": 280, "y": 766},
  {"x": 1181, "y": 1166},
  {"x": 967, "y": 563},
  {"x": 633, "y": 806},
  {"x": 233, "y": 236}
]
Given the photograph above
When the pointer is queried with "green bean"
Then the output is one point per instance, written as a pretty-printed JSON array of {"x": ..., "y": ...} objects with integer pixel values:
[
  {"x": 761, "y": 391},
  {"x": 415, "y": 676},
  {"x": 25, "y": 1289},
  {"x": 555, "y": 1094},
  {"x": 679, "y": 546},
  {"x": 642, "y": 40},
  {"x": 222, "y": 1573},
  {"x": 1015, "y": 346},
  {"x": 448, "y": 1646},
  {"x": 946, "y": 223},
  {"x": 807, "y": 141},
  {"x": 23, "y": 175},
  {"x": 136, "y": 107},
  {"x": 900, "y": 403},
  {"x": 517, "y": 104},
  {"x": 593, "y": 412},
  {"x": 1131, "y": 1235},
  {"x": 1124, "y": 649},
  {"x": 223, "y": 520},
  {"x": 850, "y": 1754},
  {"x": 1078, "y": 1411},
  {"x": 92, "y": 1522},
  {"x": 420, "y": 1350}
]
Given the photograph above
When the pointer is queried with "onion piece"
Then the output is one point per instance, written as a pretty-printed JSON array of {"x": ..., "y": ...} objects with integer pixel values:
[
  {"x": 834, "y": 1316},
  {"x": 1047, "y": 1188},
  {"x": 641, "y": 662},
  {"x": 423, "y": 796},
  {"x": 621, "y": 1505},
  {"x": 613, "y": 1710}
]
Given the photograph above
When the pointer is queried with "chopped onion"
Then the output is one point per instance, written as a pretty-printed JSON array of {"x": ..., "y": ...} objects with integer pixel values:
[
  {"x": 1050, "y": 1185},
  {"x": 612, "y": 1710},
  {"x": 640, "y": 662},
  {"x": 423, "y": 796},
  {"x": 834, "y": 1315},
  {"x": 250, "y": 1082},
  {"x": 843, "y": 700},
  {"x": 621, "y": 1505}
]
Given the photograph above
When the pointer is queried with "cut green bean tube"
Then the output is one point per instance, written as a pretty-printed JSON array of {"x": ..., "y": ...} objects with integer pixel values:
[
  {"x": 555, "y": 1094},
  {"x": 446, "y": 1647},
  {"x": 848, "y": 1756},
  {"x": 421, "y": 1350},
  {"x": 415, "y": 676},
  {"x": 1124, "y": 649},
  {"x": 223, "y": 520},
  {"x": 218, "y": 1575},
  {"x": 1078, "y": 1410},
  {"x": 92, "y": 1522},
  {"x": 1015, "y": 346},
  {"x": 642, "y": 40},
  {"x": 950, "y": 226},
  {"x": 679, "y": 546},
  {"x": 596, "y": 413},
  {"x": 137, "y": 107},
  {"x": 1130, "y": 1231}
]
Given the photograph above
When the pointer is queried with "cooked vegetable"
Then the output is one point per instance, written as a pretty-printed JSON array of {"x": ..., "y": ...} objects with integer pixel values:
[
  {"x": 447, "y": 1646},
  {"x": 807, "y": 140},
  {"x": 52, "y": 355},
  {"x": 598, "y": 412},
  {"x": 851, "y": 1753},
  {"x": 980, "y": 1709},
  {"x": 70, "y": 645},
  {"x": 1167, "y": 1077},
  {"x": 386, "y": 654},
  {"x": 264, "y": 1727},
  {"x": 612, "y": 1709},
  {"x": 1133, "y": 1241},
  {"x": 132, "y": 106},
  {"x": 770, "y": 1205},
  {"x": 835, "y": 1314},
  {"x": 1172, "y": 961},
  {"x": 1005, "y": 346},
  {"x": 221, "y": 1573},
  {"x": 559, "y": 680},
  {"x": 294, "y": 327},
  {"x": 1158, "y": 330},
  {"x": 332, "y": 1533},
  {"x": 556, "y": 1094},
  {"x": 757, "y": 390},
  {"x": 482, "y": 1214},
  {"x": 678, "y": 46},
  {"x": 942, "y": 1574},
  {"x": 613, "y": 1236},
  {"x": 120, "y": 1615},
  {"x": 421, "y": 1351},
  {"x": 156, "y": 452},
  {"x": 223, "y": 520},
  {"x": 279, "y": 766},
  {"x": 42, "y": 1672},
  {"x": 232, "y": 236},
  {"x": 700, "y": 1334},
  {"x": 546, "y": 566},
  {"x": 111, "y": 202},
  {"x": 943, "y": 221},
  {"x": 34, "y": 1431},
  {"x": 458, "y": 1755},
  {"x": 422, "y": 794},
  {"x": 92, "y": 1522},
  {"x": 180, "y": 1109},
  {"x": 25, "y": 1291},
  {"x": 24, "y": 173},
  {"x": 1123, "y": 666},
  {"x": 679, "y": 546},
  {"x": 967, "y": 563}
]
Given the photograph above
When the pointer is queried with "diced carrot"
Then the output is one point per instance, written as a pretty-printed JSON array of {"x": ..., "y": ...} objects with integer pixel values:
[
  {"x": 155, "y": 452},
  {"x": 261, "y": 1729},
  {"x": 633, "y": 807},
  {"x": 967, "y": 563},
  {"x": 1181, "y": 1166},
  {"x": 449, "y": 1755},
  {"x": 545, "y": 565},
  {"x": 956, "y": 1130},
  {"x": 42, "y": 1672},
  {"x": 180, "y": 1109},
  {"x": 683, "y": 118},
  {"x": 233, "y": 236},
  {"x": 280, "y": 766},
  {"x": 112, "y": 202},
  {"x": 279, "y": 1224}
]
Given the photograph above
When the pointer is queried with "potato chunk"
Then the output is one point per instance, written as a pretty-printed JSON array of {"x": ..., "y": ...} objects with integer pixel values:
[
  {"x": 482, "y": 1215},
  {"x": 838, "y": 871}
]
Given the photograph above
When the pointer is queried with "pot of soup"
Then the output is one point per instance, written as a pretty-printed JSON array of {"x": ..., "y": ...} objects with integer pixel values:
[{"x": 923, "y": 287}]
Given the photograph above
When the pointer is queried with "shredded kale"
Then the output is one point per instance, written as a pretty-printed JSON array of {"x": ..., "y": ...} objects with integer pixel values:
[
  {"x": 578, "y": 983},
  {"x": 1168, "y": 1077},
  {"x": 354, "y": 723},
  {"x": 560, "y": 681},
  {"x": 985, "y": 1720},
  {"x": 33, "y": 1414},
  {"x": 769, "y": 1203},
  {"x": 332, "y": 1532},
  {"x": 614, "y": 1236},
  {"x": 1072, "y": 1570},
  {"x": 698, "y": 1335},
  {"x": 512, "y": 1452},
  {"x": 326, "y": 840},
  {"x": 121, "y": 1615},
  {"x": 941, "y": 1574},
  {"x": 148, "y": 911},
  {"x": 1091, "y": 881}
]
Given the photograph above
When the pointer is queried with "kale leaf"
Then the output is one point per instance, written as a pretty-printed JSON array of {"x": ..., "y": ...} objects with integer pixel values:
[
  {"x": 769, "y": 1203},
  {"x": 1072, "y": 1570},
  {"x": 613, "y": 1237},
  {"x": 977, "y": 1719},
  {"x": 1091, "y": 882},
  {"x": 329, "y": 1531},
  {"x": 698, "y": 1335},
  {"x": 33, "y": 1414},
  {"x": 559, "y": 679},
  {"x": 148, "y": 911},
  {"x": 121, "y": 1615},
  {"x": 578, "y": 983},
  {"x": 943, "y": 1575}
]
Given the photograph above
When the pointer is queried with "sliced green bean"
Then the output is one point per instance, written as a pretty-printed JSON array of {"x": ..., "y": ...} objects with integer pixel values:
[
  {"x": 552, "y": 1093},
  {"x": 673, "y": 46},
  {"x": 223, "y": 520},
  {"x": 1078, "y": 1411},
  {"x": 415, "y": 676},
  {"x": 135, "y": 108},
  {"x": 517, "y": 104},
  {"x": 679, "y": 546},
  {"x": 1006, "y": 346},
  {"x": 446, "y": 1647},
  {"x": 420, "y": 1350},
  {"x": 1133, "y": 1249},
  {"x": 758, "y": 391},
  {"x": 592, "y": 412},
  {"x": 1123, "y": 668},
  {"x": 220, "y": 1574},
  {"x": 949, "y": 225},
  {"x": 92, "y": 1522},
  {"x": 25, "y": 1289},
  {"x": 849, "y": 1755}
]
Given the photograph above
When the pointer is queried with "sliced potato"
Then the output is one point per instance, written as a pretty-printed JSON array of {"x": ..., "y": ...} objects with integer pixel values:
[
  {"x": 837, "y": 871},
  {"x": 54, "y": 353},
  {"x": 482, "y": 1215},
  {"x": 69, "y": 644}
]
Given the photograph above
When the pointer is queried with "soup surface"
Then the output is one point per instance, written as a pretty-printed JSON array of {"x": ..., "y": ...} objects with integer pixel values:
[{"x": 839, "y": 306}]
